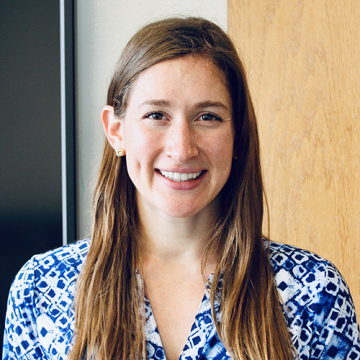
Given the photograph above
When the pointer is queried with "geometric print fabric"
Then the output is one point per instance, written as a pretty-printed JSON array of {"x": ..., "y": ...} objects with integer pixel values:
[
  {"x": 319, "y": 308},
  {"x": 316, "y": 302}
]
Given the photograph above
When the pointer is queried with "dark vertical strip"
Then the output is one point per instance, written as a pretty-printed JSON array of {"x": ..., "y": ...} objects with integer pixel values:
[{"x": 67, "y": 54}]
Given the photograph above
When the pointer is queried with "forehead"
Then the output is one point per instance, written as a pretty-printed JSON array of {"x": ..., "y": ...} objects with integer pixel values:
[{"x": 190, "y": 75}]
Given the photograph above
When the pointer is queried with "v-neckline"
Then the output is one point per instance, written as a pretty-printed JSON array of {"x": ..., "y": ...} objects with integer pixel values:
[{"x": 201, "y": 328}]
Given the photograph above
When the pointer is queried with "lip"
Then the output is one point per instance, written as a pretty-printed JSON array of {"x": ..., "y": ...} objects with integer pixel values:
[
  {"x": 182, "y": 185},
  {"x": 182, "y": 170}
]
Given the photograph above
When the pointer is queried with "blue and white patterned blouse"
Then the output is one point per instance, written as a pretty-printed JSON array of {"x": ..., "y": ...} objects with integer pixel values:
[{"x": 322, "y": 321}]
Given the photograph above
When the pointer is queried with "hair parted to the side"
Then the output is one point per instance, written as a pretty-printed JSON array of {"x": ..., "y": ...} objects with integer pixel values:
[{"x": 109, "y": 320}]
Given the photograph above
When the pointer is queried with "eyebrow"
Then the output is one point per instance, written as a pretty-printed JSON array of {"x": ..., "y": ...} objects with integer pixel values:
[
  {"x": 199, "y": 105},
  {"x": 156, "y": 102},
  {"x": 205, "y": 104}
]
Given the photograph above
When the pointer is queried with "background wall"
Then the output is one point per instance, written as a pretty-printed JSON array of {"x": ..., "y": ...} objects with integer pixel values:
[
  {"x": 303, "y": 60},
  {"x": 30, "y": 146},
  {"x": 103, "y": 29}
]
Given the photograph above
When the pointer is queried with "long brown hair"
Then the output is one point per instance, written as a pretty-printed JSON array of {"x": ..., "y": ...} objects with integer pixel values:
[{"x": 109, "y": 320}]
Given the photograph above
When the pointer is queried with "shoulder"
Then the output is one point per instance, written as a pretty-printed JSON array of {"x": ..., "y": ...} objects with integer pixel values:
[
  {"x": 40, "y": 313},
  {"x": 302, "y": 267},
  {"x": 53, "y": 268},
  {"x": 49, "y": 278},
  {"x": 284, "y": 256},
  {"x": 65, "y": 259},
  {"x": 317, "y": 303},
  {"x": 297, "y": 271},
  {"x": 69, "y": 254}
]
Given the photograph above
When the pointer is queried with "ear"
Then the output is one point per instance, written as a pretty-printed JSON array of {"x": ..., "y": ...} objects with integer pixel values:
[{"x": 113, "y": 128}]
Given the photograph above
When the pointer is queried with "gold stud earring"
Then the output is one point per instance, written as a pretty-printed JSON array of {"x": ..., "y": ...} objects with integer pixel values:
[{"x": 120, "y": 152}]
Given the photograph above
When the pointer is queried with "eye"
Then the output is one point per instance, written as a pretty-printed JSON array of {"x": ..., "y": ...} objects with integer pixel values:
[
  {"x": 155, "y": 116},
  {"x": 210, "y": 117}
]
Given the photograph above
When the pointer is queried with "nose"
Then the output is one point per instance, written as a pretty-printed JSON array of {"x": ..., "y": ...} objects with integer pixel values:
[{"x": 181, "y": 142}]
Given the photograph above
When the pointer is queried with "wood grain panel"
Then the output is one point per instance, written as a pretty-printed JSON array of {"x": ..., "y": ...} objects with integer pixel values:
[{"x": 303, "y": 61}]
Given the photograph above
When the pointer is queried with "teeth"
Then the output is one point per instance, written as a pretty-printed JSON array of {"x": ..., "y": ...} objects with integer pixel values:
[{"x": 178, "y": 177}]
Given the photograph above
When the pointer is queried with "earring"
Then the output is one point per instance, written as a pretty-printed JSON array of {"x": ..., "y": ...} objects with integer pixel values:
[{"x": 120, "y": 152}]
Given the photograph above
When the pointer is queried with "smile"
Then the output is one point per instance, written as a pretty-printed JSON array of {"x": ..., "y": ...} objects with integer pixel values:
[{"x": 179, "y": 177}]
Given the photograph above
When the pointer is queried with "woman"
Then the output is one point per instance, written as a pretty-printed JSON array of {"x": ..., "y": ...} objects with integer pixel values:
[{"x": 178, "y": 213}]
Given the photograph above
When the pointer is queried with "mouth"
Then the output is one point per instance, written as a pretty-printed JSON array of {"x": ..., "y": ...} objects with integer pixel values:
[{"x": 180, "y": 177}]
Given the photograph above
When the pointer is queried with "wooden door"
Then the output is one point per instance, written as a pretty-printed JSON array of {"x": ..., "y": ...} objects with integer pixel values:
[{"x": 303, "y": 62}]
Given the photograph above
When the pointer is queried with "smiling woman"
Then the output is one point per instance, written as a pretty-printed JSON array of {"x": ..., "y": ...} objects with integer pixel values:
[{"x": 177, "y": 267}]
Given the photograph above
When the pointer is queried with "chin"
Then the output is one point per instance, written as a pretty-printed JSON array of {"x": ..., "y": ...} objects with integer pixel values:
[
  {"x": 182, "y": 211},
  {"x": 183, "y": 214}
]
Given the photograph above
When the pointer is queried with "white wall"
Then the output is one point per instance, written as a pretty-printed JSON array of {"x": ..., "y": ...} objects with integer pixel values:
[{"x": 103, "y": 28}]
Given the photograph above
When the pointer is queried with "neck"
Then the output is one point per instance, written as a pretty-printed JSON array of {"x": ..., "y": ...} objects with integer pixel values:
[{"x": 171, "y": 239}]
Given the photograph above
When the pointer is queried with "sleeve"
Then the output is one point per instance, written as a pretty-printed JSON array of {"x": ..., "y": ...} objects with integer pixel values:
[
  {"x": 335, "y": 323},
  {"x": 21, "y": 339}
]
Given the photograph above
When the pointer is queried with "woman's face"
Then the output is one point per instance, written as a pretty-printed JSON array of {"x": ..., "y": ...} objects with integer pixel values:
[{"x": 178, "y": 136}]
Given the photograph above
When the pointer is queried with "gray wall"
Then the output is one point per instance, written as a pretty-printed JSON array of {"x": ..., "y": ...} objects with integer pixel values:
[{"x": 30, "y": 154}]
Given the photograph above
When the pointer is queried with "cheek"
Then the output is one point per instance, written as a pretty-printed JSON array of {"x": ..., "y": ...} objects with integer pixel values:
[
  {"x": 222, "y": 150},
  {"x": 137, "y": 141},
  {"x": 140, "y": 150}
]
